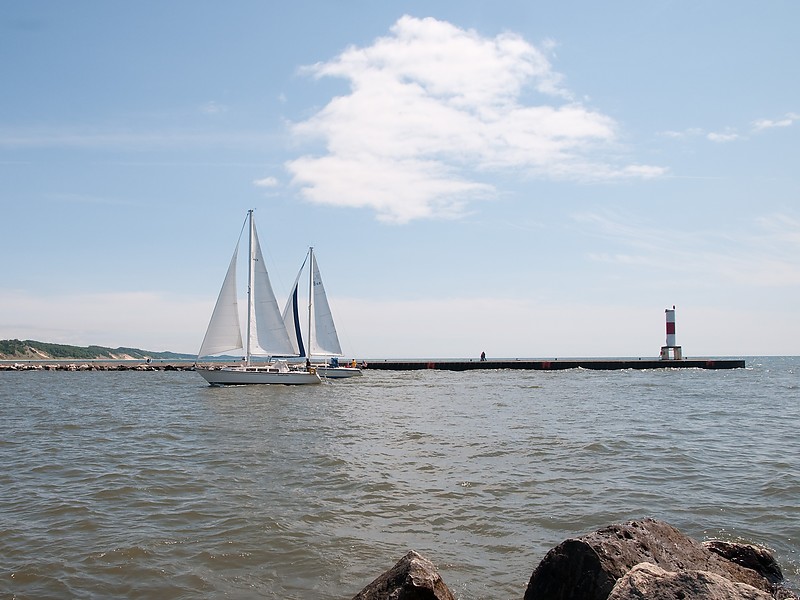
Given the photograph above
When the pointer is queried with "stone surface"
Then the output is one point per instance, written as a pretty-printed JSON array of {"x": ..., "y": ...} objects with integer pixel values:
[
  {"x": 588, "y": 567},
  {"x": 412, "y": 578},
  {"x": 654, "y": 583},
  {"x": 747, "y": 555}
]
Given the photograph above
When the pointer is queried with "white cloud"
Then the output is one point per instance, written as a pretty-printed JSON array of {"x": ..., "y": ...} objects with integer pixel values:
[
  {"x": 433, "y": 111},
  {"x": 266, "y": 182},
  {"x": 644, "y": 171},
  {"x": 213, "y": 108},
  {"x": 782, "y": 228},
  {"x": 686, "y": 133},
  {"x": 786, "y": 121},
  {"x": 729, "y": 134},
  {"x": 725, "y": 136}
]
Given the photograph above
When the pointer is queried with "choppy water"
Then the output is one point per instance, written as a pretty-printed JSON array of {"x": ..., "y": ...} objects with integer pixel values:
[{"x": 154, "y": 485}]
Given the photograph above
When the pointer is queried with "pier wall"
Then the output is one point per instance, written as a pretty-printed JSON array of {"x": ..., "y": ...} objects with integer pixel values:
[{"x": 556, "y": 364}]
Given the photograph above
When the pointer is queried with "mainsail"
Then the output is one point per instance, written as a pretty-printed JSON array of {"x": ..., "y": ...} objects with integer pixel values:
[{"x": 269, "y": 333}]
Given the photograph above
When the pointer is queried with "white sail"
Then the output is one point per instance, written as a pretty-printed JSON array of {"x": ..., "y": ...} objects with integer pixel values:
[
  {"x": 269, "y": 333},
  {"x": 324, "y": 340},
  {"x": 224, "y": 332}
]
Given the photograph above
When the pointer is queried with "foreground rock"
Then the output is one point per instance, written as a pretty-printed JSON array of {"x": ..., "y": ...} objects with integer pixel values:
[
  {"x": 412, "y": 578},
  {"x": 646, "y": 580},
  {"x": 589, "y": 567},
  {"x": 747, "y": 555},
  {"x": 638, "y": 560}
]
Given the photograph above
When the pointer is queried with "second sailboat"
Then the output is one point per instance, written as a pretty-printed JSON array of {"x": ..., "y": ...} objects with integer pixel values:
[{"x": 322, "y": 339}]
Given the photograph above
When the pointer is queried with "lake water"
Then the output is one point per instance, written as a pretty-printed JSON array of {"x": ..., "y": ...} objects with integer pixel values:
[{"x": 155, "y": 485}]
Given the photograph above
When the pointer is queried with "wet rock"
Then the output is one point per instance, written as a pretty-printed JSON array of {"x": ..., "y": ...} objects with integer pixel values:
[
  {"x": 412, "y": 578},
  {"x": 752, "y": 557},
  {"x": 588, "y": 567},
  {"x": 654, "y": 583}
]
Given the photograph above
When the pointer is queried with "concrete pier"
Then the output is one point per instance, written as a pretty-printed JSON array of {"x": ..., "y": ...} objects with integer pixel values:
[{"x": 556, "y": 364}]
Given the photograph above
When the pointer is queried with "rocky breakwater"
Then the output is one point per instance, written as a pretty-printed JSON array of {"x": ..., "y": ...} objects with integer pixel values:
[
  {"x": 94, "y": 366},
  {"x": 644, "y": 559}
]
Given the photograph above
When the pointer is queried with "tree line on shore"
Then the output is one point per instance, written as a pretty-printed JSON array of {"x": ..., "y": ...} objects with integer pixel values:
[{"x": 34, "y": 350}]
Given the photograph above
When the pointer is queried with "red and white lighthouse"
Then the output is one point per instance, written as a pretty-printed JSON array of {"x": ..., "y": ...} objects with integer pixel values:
[{"x": 671, "y": 347}]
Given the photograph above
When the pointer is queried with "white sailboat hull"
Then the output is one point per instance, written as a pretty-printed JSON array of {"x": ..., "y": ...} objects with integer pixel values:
[
  {"x": 338, "y": 372},
  {"x": 257, "y": 375}
]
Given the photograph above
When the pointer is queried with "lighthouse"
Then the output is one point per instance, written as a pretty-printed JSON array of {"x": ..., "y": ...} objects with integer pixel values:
[{"x": 671, "y": 347}]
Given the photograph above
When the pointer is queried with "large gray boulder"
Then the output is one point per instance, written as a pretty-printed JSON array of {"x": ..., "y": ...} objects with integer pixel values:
[
  {"x": 646, "y": 580},
  {"x": 588, "y": 567},
  {"x": 412, "y": 578}
]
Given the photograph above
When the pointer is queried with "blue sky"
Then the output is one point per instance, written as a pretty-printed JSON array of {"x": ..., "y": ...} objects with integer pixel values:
[{"x": 527, "y": 179}]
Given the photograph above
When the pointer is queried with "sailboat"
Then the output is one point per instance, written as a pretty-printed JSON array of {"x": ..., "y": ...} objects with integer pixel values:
[
  {"x": 322, "y": 339},
  {"x": 266, "y": 334}
]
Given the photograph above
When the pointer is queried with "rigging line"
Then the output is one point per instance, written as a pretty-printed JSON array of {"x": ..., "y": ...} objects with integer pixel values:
[
  {"x": 241, "y": 232},
  {"x": 305, "y": 260}
]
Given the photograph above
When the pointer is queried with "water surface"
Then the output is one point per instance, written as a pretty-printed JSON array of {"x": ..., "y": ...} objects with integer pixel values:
[{"x": 155, "y": 485}]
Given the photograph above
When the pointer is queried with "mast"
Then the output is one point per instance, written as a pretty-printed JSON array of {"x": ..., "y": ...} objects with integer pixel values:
[
  {"x": 250, "y": 269},
  {"x": 310, "y": 298}
]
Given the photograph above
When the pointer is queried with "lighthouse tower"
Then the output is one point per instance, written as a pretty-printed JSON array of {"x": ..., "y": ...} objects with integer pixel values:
[{"x": 671, "y": 347}]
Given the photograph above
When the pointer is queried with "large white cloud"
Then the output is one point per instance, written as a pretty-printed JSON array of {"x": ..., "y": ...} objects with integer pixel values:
[{"x": 434, "y": 111}]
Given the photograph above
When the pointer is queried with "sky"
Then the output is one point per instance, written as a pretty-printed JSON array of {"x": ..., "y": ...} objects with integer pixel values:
[{"x": 523, "y": 178}]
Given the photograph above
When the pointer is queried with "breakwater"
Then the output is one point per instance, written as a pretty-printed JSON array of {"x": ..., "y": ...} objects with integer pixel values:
[
  {"x": 556, "y": 364},
  {"x": 62, "y": 365},
  {"x": 597, "y": 364}
]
